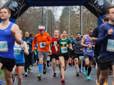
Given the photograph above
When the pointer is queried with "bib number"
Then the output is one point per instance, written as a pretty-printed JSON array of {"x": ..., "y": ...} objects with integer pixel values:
[
  {"x": 64, "y": 50},
  {"x": 17, "y": 51},
  {"x": 42, "y": 45},
  {"x": 55, "y": 43},
  {"x": 110, "y": 45},
  {"x": 89, "y": 50},
  {"x": 3, "y": 46},
  {"x": 48, "y": 58}
]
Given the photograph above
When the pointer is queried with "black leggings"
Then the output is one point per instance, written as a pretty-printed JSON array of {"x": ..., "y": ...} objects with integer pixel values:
[
  {"x": 88, "y": 68},
  {"x": 28, "y": 61}
]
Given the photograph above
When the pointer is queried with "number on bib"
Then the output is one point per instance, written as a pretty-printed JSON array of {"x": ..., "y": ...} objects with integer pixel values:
[
  {"x": 64, "y": 49},
  {"x": 110, "y": 45},
  {"x": 42, "y": 45},
  {"x": 3, "y": 46}
]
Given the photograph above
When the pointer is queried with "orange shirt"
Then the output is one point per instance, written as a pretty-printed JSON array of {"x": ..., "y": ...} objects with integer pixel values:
[{"x": 39, "y": 39}]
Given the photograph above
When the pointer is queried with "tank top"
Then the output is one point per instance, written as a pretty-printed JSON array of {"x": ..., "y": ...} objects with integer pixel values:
[
  {"x": 88, "y": 51},
  {"x": 7, "y": 42},
  {"x": 19, "y": 54}
]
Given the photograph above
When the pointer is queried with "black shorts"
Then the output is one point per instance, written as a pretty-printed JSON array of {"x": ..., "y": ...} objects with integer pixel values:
[
  {"x": 54, "y": 56},
  {"x": 7, "y": 63},
  {"x": 65, "y": 55},
  {"x": 90, "y": 57},
  {"x": 105, "y": 66},
  {"x": 20, "y": 64},
  {"x": 76, "y": 56}
]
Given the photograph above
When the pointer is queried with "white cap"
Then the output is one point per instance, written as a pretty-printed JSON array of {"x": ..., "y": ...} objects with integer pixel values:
[{"x": 41, "y": 27}]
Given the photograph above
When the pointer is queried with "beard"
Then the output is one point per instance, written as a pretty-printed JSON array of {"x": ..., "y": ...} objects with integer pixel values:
[
  {"x": 42, "y": 32},
  {"x": 78, "y": 38}
]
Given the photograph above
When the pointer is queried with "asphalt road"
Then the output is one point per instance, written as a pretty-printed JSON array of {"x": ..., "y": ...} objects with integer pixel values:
[
  {"x": 47, "y": 79},
  {"x": 70, "y": 78}
]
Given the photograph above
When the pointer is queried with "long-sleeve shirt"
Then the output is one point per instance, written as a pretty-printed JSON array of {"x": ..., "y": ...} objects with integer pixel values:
[
  {"x": 104, "y": 40},
  {"x": 29, "y": 40},
  {"x": 42, "y": 38}
]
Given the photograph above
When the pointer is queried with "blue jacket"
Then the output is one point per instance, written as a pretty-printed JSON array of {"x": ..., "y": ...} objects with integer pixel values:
[
  {"x": 29, "y": 40},
  {"x": 103, "y": 39}
]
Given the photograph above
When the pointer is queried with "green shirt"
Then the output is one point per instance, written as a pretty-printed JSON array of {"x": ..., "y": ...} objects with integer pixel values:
[{"x": 64, "y": 45}]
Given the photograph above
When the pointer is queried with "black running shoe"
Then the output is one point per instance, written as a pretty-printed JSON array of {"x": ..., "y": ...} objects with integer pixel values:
[
  {"x": 39, "y": 78},
  {"x": 26, "y": 74},
  {"x": 54, "y": 75},
  {"x": 77, "y": 74},
  {"x": 44, "y": 72}
]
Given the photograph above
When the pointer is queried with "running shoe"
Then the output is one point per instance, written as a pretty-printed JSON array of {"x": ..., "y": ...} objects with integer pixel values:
[
  {"x": 26, "y": 74},
  {"x": 54, "y": 75},
  {"x": 44, "y": 71},
  {"x": 88, "y": 78},
  {"x": 77, "y": 74},
  {"x": 39, "y": 77},
  {"x": 63, "y": 81}
]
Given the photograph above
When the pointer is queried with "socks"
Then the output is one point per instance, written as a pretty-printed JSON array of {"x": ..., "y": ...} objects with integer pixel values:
[
  {"x": 88, "y": 69},
  {"x": 48, "y": 62},
  {"x": 77, "y": 69},
  {"x": 40, "y": 69}
]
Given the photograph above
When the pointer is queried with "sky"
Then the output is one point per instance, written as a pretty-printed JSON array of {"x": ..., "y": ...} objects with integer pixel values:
[
  {"x": 2, "y": 2},
  {"x": 57, "y": 11}
]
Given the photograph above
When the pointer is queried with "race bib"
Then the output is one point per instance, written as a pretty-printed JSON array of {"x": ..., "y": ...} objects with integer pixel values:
[
  {"x": 3, "y": 46},
  {"x": 110, "y": 45},
  {"x": 89, "y": 50},
  {"x": 28, "y": 47},
  {"x": 55, "y": 43},
  {"x": 42, "y": 45},
  {"x": 81, "y": 57},
  {"x": 64, "y": 50},
  {"x": 48, "y": 58},
  {"x": 17, "y": 51}
]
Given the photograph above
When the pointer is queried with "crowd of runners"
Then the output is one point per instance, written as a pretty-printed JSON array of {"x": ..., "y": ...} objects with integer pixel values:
[{"x": 19, "y": 51}]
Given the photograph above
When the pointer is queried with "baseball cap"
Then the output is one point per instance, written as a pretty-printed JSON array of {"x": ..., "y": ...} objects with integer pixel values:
[{"x": 41, "y": 27}]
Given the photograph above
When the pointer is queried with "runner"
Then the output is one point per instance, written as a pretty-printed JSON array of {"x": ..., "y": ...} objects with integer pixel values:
[
  {"x": 106, "y": 55},
  {"x": 19, "y": 51},
  {"x": 9, "y": 33},
  {"x": 88, "y": 51},
  {"x": 35, "y": 55},
  {"x": 97, "y": 46},
  {"x": 64, "y": 46},
  {"x": 55, "y": 51},
  {"x": 65, "y": 34},
  {"x": 28, "y": 58},
  {"x": 71, "y": 52},
  {"x": 78, "y": 51},
  {"x": 43, "y": 40}
]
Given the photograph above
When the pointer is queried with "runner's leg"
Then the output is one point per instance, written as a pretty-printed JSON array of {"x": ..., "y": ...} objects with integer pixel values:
[
  {"x": 8, "y": 77},
  {"x": 62, "y": 67}
]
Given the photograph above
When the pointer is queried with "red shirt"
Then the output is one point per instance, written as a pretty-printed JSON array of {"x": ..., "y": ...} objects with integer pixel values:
[{"x": 54, "y": 43}]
